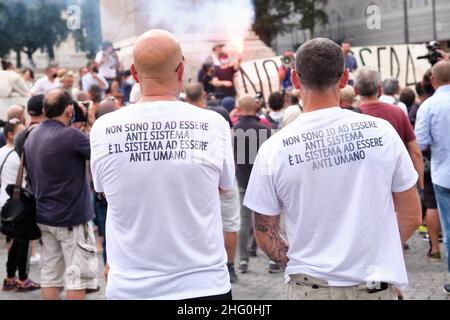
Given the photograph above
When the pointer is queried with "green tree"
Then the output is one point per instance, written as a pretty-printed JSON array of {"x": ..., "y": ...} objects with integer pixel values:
[
  {"x": 5, "y": 35},
  {"x": 269, "y": 18},
  {"x": 31, "y": 25},
  {"x": 312, "y": 13}
]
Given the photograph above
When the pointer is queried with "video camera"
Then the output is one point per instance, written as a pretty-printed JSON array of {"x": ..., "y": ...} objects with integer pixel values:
[
  {"x": 81, "y": 114},
  {"x": 433, "y": 55}
]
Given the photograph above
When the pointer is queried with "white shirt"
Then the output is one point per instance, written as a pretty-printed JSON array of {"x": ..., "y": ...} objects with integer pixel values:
[
  {"x": 12, "y": 85},
  {"x": 88, "y": 81},
  {"x": 44, "y": 85},
  {"x": 339, "y": 214},
  {"x": 392, "y": 100},
  {"x": 9, "y": 171},
  {"x": 107, "y": 69},
  {"x": 291, "y": 114},
  {"x": 164, "y": 228}
]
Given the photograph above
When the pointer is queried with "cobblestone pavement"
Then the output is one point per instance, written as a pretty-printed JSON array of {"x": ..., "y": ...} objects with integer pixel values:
[{"x": 426, "y": 278}]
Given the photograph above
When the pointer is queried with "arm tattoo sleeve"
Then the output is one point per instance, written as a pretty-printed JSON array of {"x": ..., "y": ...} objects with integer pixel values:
[{"x": 270, "y": 239}]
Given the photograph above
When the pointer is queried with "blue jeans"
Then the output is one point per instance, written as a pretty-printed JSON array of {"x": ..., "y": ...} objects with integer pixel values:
[
  {"x": 443, "y": 200},
  {"x": 100, "y": 208}
]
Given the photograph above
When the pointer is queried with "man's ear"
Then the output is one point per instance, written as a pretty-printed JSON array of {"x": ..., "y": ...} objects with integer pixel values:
[
  {"x": 70, "y": 111},
  {"x": 380, "y": 90},
  {"x": 181, "y": 73},
  {"x": 434, "y": 83},
  {"x": 134, "y": 73},
  {"x": 295, "y": 81},
  {"x": 344, "y": 79}
]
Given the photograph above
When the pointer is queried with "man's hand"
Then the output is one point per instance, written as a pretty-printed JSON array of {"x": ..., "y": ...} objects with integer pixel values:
[
  {"x": 106, "y": 272},
  {"x": 445, "y": 55},
  {"x": 409, "y": 212},
  {"x": 228, "y": 84},
  {"x": 268, "y": 236}
]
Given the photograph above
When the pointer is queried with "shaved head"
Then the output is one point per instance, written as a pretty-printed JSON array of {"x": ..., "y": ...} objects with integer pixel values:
[
  {"x": 16, "y": 112},
  {"x": 105, "y": 107},
  {"x": 194, "y": 92},
  {"x": 247, "y": 104},
  {"x": 157, "y": 54},
  {"x": 441, "y": 72}
]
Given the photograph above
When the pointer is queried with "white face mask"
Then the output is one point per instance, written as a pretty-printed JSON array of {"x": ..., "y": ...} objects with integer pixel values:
[{"x": 224, "y": 61}]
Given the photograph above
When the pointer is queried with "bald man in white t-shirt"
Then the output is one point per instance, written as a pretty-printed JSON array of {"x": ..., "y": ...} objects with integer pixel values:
[{"x": 160, "y": 164}]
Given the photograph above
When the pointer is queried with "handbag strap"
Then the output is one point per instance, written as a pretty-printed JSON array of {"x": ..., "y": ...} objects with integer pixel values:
[
  {"x": 19, "y": 179},
  {"x": 3, "y": 164}
]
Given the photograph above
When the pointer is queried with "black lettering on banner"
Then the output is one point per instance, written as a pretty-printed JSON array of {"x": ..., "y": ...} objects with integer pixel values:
[
  {"x": 379, "y": 49},
  {"x": 394, "y": 55},
  {"x": 267, "y": 73},
  {"x": 410, "y": 63},
  {"x": 361, "y": 51}
]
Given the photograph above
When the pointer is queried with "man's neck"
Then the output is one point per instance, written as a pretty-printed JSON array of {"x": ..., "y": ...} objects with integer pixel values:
[
  {"x": 51, "y": 79},
  {"x": 36, "y": 120},
  {"x": 199, "y": 104},
  {"x": 316, "y": 100},
  {"x": 248, "y": 114},
  {"x": 443, "y": 85},
  {"x": 153, "y": 91},
  {"x": 369, "y": 100},
  {"x": 62, "y": 120}
]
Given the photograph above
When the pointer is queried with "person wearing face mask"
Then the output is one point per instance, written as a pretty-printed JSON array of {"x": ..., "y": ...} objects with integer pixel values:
[
  {"x": 223, "y": 78},
  {"x": 46, "y": 83}
]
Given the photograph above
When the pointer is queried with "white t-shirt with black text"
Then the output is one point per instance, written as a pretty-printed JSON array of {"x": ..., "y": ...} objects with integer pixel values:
[
  {"x": 332, "y": 173},
  {"x": 160, "y": 166}
]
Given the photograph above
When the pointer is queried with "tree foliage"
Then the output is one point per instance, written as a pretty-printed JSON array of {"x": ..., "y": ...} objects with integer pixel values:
[
  {"x": 31, "y": 25},
  {"x": 271, "y": 16},
  {"x": 312, "y": 12}
]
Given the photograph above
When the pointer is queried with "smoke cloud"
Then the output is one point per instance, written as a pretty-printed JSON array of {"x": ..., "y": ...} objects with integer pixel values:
[{"x": 231, "y": 19}]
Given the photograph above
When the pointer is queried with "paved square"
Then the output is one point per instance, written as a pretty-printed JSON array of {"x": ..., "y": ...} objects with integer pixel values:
[{"x": 426, "y": 278}]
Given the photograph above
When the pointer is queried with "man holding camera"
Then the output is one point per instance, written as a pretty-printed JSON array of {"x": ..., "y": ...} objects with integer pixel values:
[
  {"x": 56, "y": 158},
  {"x": 94, "y": 78},
  {"x": 108, "y": 62}
]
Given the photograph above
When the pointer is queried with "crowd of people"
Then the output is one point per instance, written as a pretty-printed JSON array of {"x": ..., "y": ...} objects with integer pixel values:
[{"x": 329, "y": 177}]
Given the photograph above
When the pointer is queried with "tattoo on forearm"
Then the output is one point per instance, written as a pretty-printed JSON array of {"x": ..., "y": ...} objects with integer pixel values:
[{"x": 271, "y": 241}]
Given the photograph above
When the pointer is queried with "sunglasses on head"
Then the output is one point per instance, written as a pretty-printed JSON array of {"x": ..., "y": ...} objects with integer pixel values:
[{"x": 179, "y": 66}]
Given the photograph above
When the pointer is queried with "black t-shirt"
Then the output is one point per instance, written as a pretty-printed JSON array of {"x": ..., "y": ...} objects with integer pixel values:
[
  {"x": 226, "y": 74},
  {"x": 224, "y": 113},
  {"x": 205, "y": 80},
  {"x": 242, "y": 127}
]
